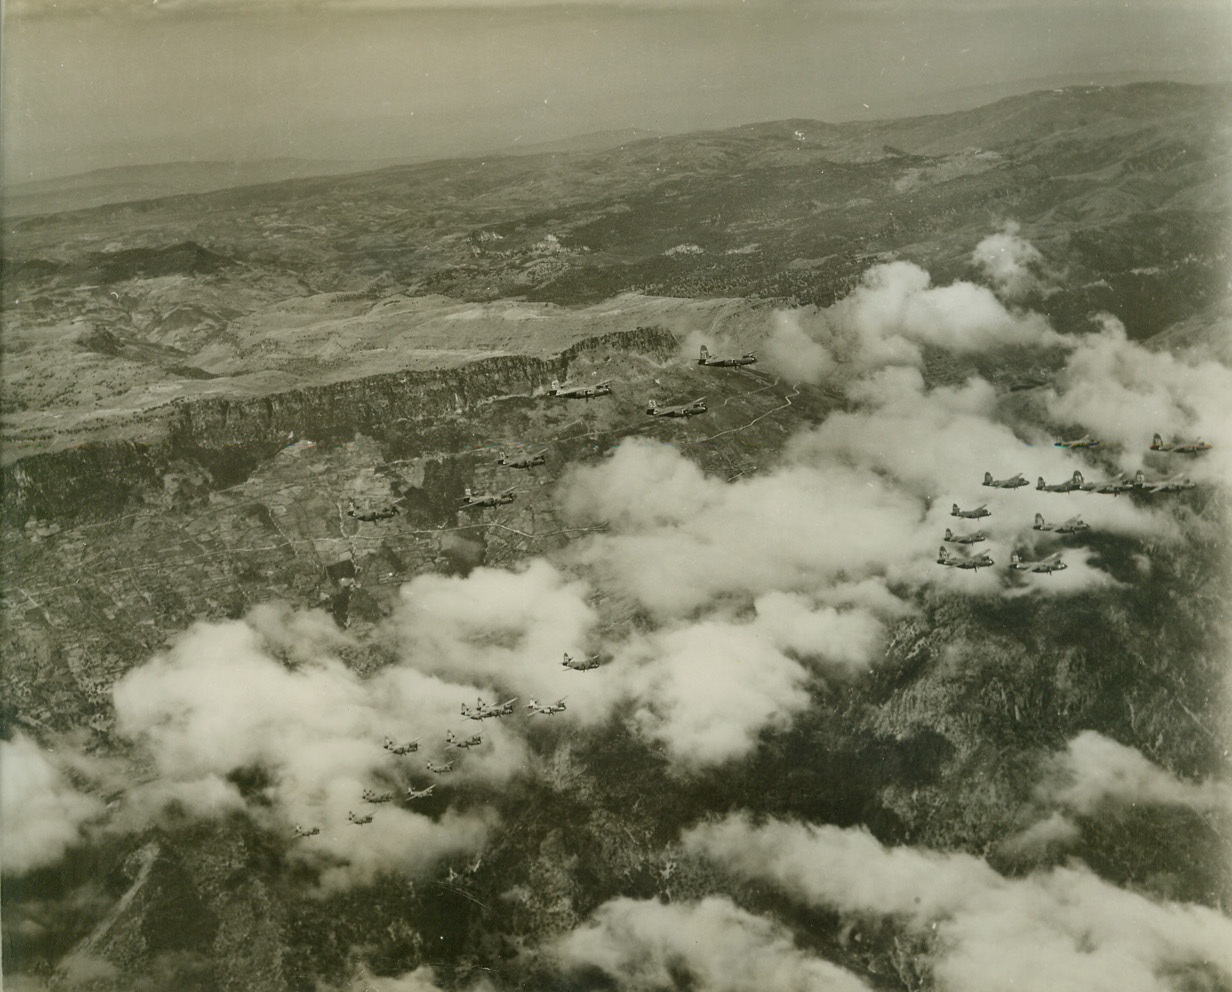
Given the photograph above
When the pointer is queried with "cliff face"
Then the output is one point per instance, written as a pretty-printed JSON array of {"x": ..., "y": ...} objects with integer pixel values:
[{"x": 229, "y": 437}]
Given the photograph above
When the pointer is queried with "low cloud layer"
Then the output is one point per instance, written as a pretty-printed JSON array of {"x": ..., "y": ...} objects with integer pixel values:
[
  {"x": 711, "y": 944},
  {"x": 1063, "y": 929},
  {"x": 680, "y": 539},
  {"x": 1094, "y": 771},
  {"x": 217, "y": 710},
  {"x": 1012, "y": 264},
  {"x": 41, "y": 813},
  {"x": 1125, "y": 393},
  {"x": 506, "y": 628},
  {"x": 707, "y": 690},
  {"x": 890, "y": 317}
]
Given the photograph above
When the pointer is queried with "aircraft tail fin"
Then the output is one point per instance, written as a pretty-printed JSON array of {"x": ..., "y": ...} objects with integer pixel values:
[
  {"x": 703, "y": 354},
  {"x": 988, "y": 478},
  {"x": 1039, "y": 521},
  {"x": 948, "y": 534},
  {"x": 954, "y": 510},
  {"x": 1076, "y": 479},
  {"x": 1157, "y": 442},
  {"x": 1139, "y": 478},
  {"x": 1015, "y": 559},
  {"x": 1039, "y": 484}
]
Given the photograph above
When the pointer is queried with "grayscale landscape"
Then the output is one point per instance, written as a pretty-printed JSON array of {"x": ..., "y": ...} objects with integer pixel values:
[{"x": 308, "y": 685}]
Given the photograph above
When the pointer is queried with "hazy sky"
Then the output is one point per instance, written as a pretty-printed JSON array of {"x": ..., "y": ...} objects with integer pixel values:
[{"x": 93, "y": 83}]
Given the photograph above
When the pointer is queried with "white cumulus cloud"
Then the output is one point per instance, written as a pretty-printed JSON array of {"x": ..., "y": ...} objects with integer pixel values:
[
  {"x": 712, "y": 945},
  {"x": 41, "y": 813},
  {"x": 1064, "y": 929}
]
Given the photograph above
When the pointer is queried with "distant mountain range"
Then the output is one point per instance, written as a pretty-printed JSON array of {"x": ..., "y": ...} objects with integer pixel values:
[
  {"x": 129, "y": 183},
  {"x": 1122, "y": 190}
]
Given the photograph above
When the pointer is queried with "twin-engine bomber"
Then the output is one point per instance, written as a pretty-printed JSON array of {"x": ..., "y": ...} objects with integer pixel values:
[
  {"x": 1052, "y": 563},
  {"x": 683, "y": 410},
  {"x": 959, "y": 561},
  {"x": 1180, "y": 447},
  {"x": 1071, "y": 526},
  {"x": 705, "y": 358},
  {"x": 1013, "y": 482},
  {"x": 580, "y": 392}
]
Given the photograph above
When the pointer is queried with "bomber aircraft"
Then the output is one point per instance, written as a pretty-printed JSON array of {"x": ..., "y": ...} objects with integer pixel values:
[
  {"x": 1011, "y": 483},
  {"x": 301, "y": 832},
  {"x": 408, "y": 748},
  {"x": 452, "y": 741},
  {"x": 705, "y": 358},
  {"x": 1086, "y": 441},
  {"x": 980, "y": 511},
  {"x": 580, "y": 392},
  {"x": 683, "y": 410},
  {"x": 473, "y": 500},
  {"x": 1074, "y": 482},
  {"x": 359, "y": 821},
  {"x": 952, "y": 538},
  {"x": 1109, "y": 487},
  {"x": 372, "y": 515},
  {"x": 582, "y": 664},
  {"x": 1071, "y": 526},
  {"x": 1174, "y": 485},
  {"x": 1052, "y": 563},
  {"x": 484, "y": 711},
  {"x": 547, "y": 709},
  {"x": 414, "y": 793},
  {"x": 522, "y": 461},
  {"x": 1180, "y": 447},
  {"x": 436, "y": 769},
  {"x": 377, "y": 797},
  {"x": 962, "y": 561}
]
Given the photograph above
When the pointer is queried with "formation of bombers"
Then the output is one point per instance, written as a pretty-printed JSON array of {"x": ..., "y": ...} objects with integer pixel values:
[
  {"x": 969, "y": 560},
  {"x": 1074, "y": 525},
  {"x": 472, "y": 500},
  {"x": 482, "y": 710}
]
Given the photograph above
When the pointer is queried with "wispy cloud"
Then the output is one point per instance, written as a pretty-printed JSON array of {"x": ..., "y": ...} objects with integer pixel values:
[
  {"x": 1013, "y": 265},
  {"x": 1061, "y": 929},
  {"x": 1094, "y": 771},
  {"x": 711, "y": 944},
  {"x": 41, "y": 813}
]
